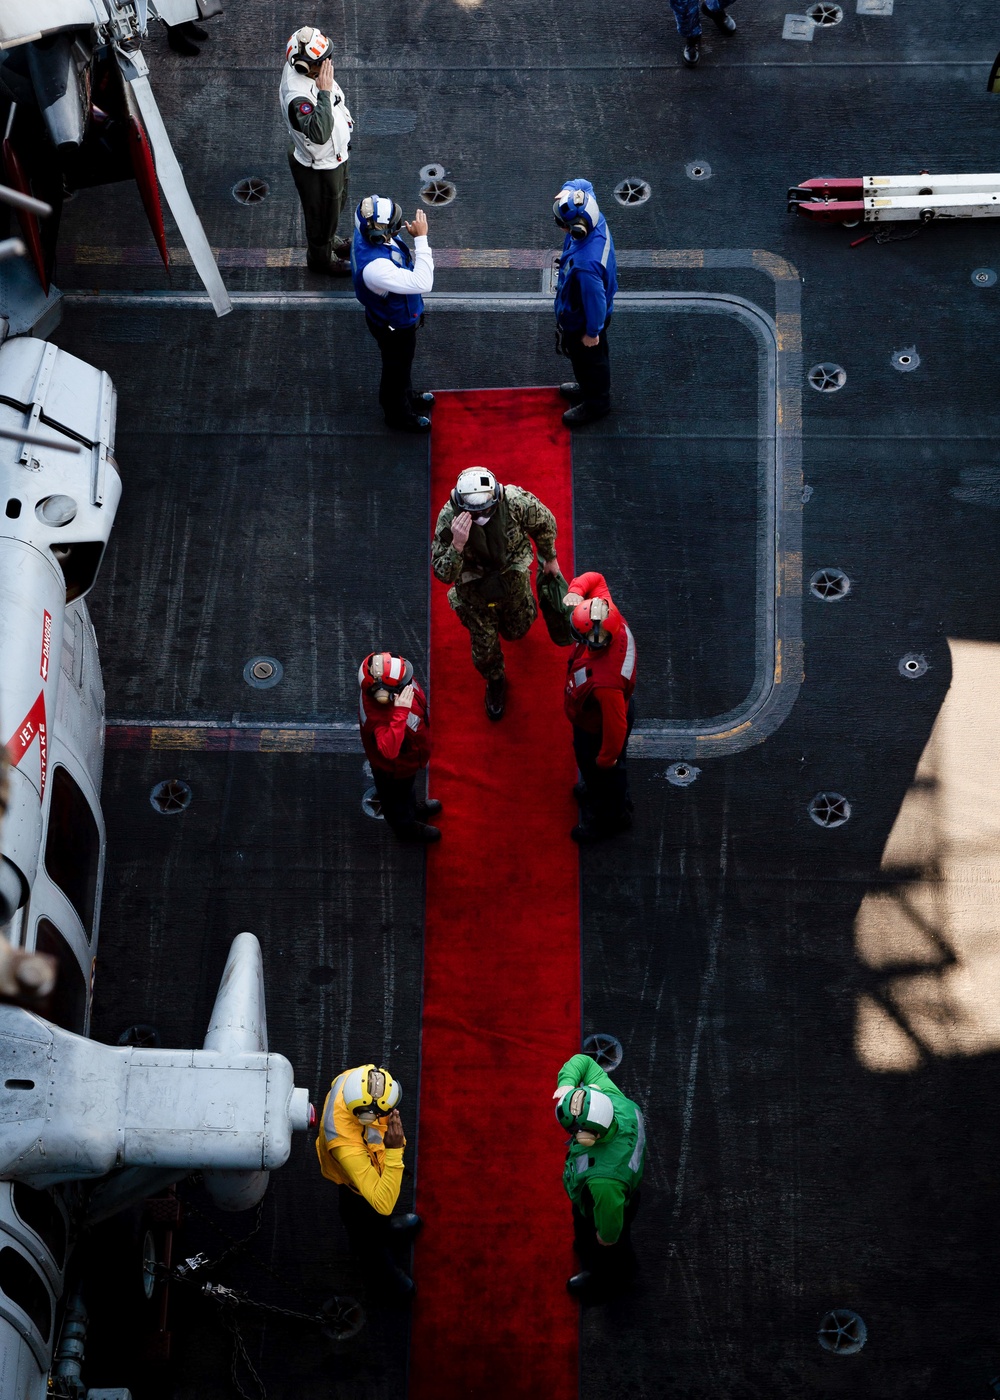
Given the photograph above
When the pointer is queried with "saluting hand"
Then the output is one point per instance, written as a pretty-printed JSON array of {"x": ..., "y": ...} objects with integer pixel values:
[
  {"x": 572, "y": 600},
  {"x": 418, "y": 229},
  {"x": 460, "y": 528},
  {"x": 325, "y": 80},
  {"x": 394, "y": 1135},
  {"x": 405, "y": 698}
]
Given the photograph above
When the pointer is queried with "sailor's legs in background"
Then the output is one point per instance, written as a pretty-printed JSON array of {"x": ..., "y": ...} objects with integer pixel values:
[{"x": 323, "y": 194}]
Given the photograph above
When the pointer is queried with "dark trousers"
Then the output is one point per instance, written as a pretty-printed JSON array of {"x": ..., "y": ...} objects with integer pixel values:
[
  {"x": 395, "y": 391},
  {"x": 610, "y": 1264},
  {"x": 606, "y": 802},
  {"x": 323, "y": 194},
  {"x": 368, "y": 1233},
  {"x": 591, "y": 367},
  {"x": 398, "y": 799}
]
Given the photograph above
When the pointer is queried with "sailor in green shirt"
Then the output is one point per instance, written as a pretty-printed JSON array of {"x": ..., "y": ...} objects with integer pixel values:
[{"x": 604, "y": 1165}]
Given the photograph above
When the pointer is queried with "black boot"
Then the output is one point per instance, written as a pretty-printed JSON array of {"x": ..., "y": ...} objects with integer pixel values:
[
  {"x": 429, "y": 808},
  {"x": 588, "y": 833},
  {"x": 692, "y": 52},
  {"x": 414, "y": 424},
  {"x": 402, "y": 1225},
  {"x": 336, "y": 267},
  {"x": 419, "y": 834},
  {"x": 581, "y": 1283},
  {"x": 571, "y": 391},
  {"x": 181, "y": 40},
  {"x": 398, "y": 1279},
  {"x": 584, "y": 413},
  {"x": 496, "y": 697},
  {"x": 722, "y": 19}
]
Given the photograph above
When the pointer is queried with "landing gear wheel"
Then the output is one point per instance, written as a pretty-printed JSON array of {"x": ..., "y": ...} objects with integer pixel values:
[{"x": 148, "y": 1265}]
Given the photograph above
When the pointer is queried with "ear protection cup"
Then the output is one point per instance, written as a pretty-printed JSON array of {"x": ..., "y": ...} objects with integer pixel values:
[
  {"x": 306, "y": 49},
  {"x": 367, "y": 681},
  {"x": 576, "y": 211},
  {"x": 458, "y": 505},
  {"x": 374, "y": 230}
]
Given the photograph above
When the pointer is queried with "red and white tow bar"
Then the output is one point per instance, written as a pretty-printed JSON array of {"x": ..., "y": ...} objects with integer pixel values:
[{"x": 875, "y": 199}]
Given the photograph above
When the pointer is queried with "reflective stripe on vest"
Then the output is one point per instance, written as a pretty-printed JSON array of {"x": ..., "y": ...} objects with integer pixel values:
[
  {"x": 328, "y": 1127},
  {"x": 628, "y": 665},
  {"x": 635, "y": 1161}
]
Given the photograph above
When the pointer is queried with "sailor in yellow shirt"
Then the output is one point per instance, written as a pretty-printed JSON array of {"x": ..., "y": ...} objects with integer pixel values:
[{"x": 360, "y": 1147}]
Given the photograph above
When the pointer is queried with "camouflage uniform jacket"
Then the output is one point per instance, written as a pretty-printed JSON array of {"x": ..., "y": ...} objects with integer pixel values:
[{"x": 521, "y": 518}]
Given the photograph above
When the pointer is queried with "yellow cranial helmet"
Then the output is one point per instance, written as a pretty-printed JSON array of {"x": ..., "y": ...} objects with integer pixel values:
[{"x": 370, "y": 1091}]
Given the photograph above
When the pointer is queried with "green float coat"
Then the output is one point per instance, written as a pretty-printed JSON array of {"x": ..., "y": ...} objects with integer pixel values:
[{"x": 600, "y": 1180}]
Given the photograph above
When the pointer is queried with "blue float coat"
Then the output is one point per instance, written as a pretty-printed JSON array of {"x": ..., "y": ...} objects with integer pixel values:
[
  {"x": 588, "y": 276},
  {"x": 394, "y": 309}
]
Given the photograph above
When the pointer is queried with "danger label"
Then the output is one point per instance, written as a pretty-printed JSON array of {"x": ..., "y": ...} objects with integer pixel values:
[{"x": 43, "y": 668}]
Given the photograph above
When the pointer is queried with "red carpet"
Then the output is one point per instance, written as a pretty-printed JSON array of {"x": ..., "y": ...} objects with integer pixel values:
[{"x": 501, "y": 1008}]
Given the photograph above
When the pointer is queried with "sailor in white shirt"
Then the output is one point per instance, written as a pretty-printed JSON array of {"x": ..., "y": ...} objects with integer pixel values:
[
  {"x": 389, "y": 281},
  {"x": 320, "y": 126}
]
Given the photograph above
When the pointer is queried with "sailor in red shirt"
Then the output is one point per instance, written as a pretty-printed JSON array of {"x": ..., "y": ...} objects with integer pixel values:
[
  {"x": 600, "y": 680},
  {"x": 395, "y": 732}
]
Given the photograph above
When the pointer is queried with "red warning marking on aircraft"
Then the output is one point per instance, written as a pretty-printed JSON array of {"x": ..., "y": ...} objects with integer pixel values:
[
  {"x": 43, "y": 669},
  {"x": 33, "y": 726}
]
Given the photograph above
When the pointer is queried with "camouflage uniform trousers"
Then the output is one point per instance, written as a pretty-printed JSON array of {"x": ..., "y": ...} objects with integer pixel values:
[
  {"x": 488, "y": 622},
  {"x": 686, "y": 13}
]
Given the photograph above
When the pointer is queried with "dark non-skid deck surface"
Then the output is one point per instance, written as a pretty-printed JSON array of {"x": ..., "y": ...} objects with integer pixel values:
[{"x": 266, "y": 511}]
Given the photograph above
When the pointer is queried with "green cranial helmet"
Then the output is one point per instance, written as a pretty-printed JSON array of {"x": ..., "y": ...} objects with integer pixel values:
[{"x": 585, "y": 1110}]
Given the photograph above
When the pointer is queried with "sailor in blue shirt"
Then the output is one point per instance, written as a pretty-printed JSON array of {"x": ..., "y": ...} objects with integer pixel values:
[
  {"x": 585, "y": 295},
  {"x": 389, "y": 282}
]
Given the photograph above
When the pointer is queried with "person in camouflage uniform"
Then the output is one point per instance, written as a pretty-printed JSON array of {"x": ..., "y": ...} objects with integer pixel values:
[{"x": 482, "y": 548}]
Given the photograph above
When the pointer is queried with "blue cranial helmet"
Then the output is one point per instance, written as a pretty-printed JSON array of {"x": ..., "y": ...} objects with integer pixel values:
[
  {"x": 378, "y": 219},
  {"x": 576, "y": 210}
]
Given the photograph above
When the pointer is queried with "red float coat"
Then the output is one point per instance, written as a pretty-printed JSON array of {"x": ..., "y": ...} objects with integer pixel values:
[
  {"x": 396, "y": 740},
  {"x": 599, "y": 684}
]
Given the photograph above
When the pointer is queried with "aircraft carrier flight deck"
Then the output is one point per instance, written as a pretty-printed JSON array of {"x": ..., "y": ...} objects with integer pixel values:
[{"x": 795, "y": 503}]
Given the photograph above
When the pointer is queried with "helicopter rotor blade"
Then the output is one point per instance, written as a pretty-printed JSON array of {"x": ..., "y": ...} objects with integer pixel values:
[{"x": 168, "y": 172}]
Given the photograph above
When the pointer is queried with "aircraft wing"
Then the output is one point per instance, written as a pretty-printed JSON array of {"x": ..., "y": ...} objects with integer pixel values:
[
  {"x": 168, "y": 172},
  {"x": 24, "y": 20}
]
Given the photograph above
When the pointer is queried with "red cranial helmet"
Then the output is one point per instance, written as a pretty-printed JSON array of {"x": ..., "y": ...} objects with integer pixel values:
[
  {"x": 595, "y": 631},
  {"x": 382, "y": 675}
]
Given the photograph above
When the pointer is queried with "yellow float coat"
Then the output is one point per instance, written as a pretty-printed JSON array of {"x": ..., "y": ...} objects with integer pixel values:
[{"x": 353, "y": 1154}]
